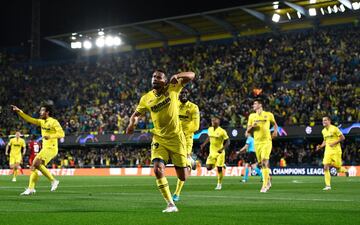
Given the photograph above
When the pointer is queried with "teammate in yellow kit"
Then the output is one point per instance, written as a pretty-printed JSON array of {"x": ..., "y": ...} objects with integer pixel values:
[
  {"x": 219, "y": 141},
  {"x": 168, "y": 138},
  {"x": 190, "y": 121},
  {"x": 15, "y": 144},
  {"x": 332, "y": 156},
  {"x": 259, "y": 122},
  {"x": 51, "y": 131}
]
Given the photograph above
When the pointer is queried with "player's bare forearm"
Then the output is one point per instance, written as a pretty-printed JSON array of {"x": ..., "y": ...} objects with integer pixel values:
[
  {"x": 245, "y": 148},
  {"x": 275, "y": 132},
  {"x": 205, "y": 143},
  {"x": 186, "y": 76},
  {"x": 318, "y": 147},
  {"x": 227, "y": 143},
  {"x": 248, "y": 129},
  {"x": 132, "y": 122}
]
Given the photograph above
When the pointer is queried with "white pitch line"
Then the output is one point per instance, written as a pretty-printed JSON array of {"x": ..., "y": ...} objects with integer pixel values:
[{"x": 285, "y": 199}]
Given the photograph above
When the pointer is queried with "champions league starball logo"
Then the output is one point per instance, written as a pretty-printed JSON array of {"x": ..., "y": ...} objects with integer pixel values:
[
  {"x": 234, "y": 133},
  {"x": 253, "y": 173},
  {"x": 333, "y": 171}
]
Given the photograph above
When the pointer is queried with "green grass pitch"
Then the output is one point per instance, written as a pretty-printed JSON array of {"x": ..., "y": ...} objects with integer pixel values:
[{"x": 136, "y": 200}]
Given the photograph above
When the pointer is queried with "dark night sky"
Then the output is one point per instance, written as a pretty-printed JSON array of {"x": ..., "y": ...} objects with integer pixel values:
[{"x": 67, "y": 16}]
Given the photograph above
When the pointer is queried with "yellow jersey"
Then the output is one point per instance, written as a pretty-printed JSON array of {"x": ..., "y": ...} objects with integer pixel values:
[
  {"x": 49, "y": 127},
  {"x": 331, "y": 135},
  {"x": 164, "y": 110},
  {"x": 262, "y": 129},
  {"x": 217, "y": 137},
  {"x": 189, "y": 117},
  {"x": 15, "y": 145}
]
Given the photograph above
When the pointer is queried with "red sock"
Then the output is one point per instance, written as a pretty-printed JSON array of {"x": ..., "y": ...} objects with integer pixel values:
[{"x": 21, "y": 171}]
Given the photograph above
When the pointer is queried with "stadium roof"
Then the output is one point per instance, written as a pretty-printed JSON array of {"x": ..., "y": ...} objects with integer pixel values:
[{"x": 223, "y": 23}]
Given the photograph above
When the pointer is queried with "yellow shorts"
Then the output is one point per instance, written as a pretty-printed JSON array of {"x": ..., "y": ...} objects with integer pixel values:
[
  {"x": 332, "y": 158},
  {"x": 217, "y": 159},
  {"x": 166, "y": 149},
  {"x": 263, "y": 150},
  {"x": 189, "y": 143},
  {"x": 14, "y": 159},
  {"x": 47, "y": 154}
]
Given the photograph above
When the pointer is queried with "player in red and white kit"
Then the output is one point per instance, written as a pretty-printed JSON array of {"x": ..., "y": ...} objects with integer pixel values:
[{"x": 34, "y": 147}]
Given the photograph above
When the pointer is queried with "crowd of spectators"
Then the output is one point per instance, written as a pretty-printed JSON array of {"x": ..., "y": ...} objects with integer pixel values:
[{"x": 302, "y": 75}]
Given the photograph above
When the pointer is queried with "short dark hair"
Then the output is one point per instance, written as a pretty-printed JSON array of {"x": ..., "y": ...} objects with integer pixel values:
[
  {"x": 160, "y": 70},
  {"x": 215, "y": 117},
  {"x": 328, "y": 117},
  {"x": 49, "y": 109},
  {"x": 259, "y": 100}
]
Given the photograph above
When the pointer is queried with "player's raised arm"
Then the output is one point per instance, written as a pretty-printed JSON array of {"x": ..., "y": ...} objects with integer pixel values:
[
  {"x": 185, "y": 77},
  {"x": 26, "y": 117}
]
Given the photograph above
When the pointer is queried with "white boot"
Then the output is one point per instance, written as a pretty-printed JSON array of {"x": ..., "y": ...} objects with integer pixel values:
[
  {"x": 54, "y": 185},
  {"x": 28, "y": 191}
]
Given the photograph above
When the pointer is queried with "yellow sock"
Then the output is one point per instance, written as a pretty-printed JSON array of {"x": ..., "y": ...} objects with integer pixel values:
[
  {"x": 46, "y": 172},
  {"x": 15, "y": 172},
  {"x": 342, "y": 170},
  {"x": 220, "y": 177},
  {"x": 163, "y": 186},
  {"x": 265, "y": 172},
  {"x": 33, "y": 179},
  {"x": 179, "y": 186},
  {"x": 327, "y": 177}
]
